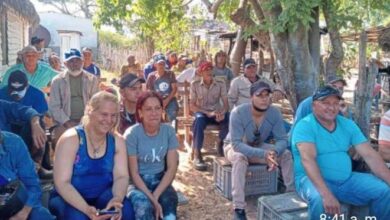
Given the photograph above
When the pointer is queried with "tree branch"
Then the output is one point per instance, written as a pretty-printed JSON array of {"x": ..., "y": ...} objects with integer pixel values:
[
  {"x": 241, "y": 18},
  {"x": 337, "y": 54},
  {"x": 213, "y": 7}
]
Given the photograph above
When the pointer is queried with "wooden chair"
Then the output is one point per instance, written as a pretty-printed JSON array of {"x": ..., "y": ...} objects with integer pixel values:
[{"x": 186, "y": 120}]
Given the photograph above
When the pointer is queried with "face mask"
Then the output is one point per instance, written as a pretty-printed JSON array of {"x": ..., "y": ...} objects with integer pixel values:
[{"x": 17, "y": 95}]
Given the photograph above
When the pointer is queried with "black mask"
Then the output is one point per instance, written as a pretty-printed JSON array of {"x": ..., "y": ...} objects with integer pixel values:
[{"x": 258, "y": 109}]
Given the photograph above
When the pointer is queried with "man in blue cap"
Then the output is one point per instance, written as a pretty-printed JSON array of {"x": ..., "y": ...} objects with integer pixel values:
[
  {"x": 322, "y": 166},
  {"x": 70, "y": 92}
]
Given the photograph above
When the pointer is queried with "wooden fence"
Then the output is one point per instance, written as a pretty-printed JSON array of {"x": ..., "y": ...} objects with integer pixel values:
[{"x": 112, "y": 58}]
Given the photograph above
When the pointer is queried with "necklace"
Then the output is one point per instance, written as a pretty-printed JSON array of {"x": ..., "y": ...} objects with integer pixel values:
[{"x": 95, "y": 150}]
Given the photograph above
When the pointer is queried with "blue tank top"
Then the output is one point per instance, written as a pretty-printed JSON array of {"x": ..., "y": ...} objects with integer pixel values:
[{"x": 91, "y": 177}]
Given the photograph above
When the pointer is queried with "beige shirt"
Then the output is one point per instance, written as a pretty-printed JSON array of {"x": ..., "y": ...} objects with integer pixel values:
[
  {"x": 208, "y": 99},
  {"x": 239, "y": 91},
  {"x": 60, "y": 95}
]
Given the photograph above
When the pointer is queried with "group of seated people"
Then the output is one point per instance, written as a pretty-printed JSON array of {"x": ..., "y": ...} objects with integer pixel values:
[
  {"x": 94, "y": 157},
  {"x": 104, "y": 141}
]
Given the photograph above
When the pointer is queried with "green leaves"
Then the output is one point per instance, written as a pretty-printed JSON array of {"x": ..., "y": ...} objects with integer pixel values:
[{"x": 163, "y": 21}]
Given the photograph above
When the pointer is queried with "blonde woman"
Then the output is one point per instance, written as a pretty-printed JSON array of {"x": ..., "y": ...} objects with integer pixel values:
[{"x": 91, "y": 166}]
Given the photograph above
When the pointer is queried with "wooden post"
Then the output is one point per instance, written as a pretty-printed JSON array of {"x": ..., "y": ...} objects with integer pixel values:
[{"x": 364, "y": 88}]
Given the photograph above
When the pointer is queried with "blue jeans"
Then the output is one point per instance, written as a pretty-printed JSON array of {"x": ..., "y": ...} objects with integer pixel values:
[
  {"x": 359, "y": 189},
  {"x": 40, "y": 213},
  {"x": 171, "y": 110},
  {"x": 63, "y": 210},
  {"x": 200, "y": 123},
  {"x": 143, "y": 207}
]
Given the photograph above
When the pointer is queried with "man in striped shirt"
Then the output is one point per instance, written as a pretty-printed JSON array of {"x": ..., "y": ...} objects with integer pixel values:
[{"x": 384, "y": 137}]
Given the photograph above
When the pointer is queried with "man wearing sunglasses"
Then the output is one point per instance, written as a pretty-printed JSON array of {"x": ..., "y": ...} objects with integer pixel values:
[
  {"x": 250, "y": 125},
  {"x": 322, "y": 166}
]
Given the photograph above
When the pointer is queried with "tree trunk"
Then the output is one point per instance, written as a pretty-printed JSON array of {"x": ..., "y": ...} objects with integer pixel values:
[
  {"x": 314, "y": 42},
  {"x": 337, "y": 54},
  {"x": 238, "y": 52},
  {"x": 365, "y": 87},
  {"x": 303, "y": 69},
  {"x": 284, "y": 63}
]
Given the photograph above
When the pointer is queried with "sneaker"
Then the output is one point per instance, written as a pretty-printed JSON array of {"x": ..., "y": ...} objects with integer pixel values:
[
  {"x": 200, "y": 165},
  {"x": 239, "y": 214}
]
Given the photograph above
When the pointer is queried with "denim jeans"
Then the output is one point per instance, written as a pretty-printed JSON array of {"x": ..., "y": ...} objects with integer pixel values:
[
  {"x": 40, "y": 213},
  {"x": 359, "y": 189},
  {"x": 143, "y": 207},
  {"x": 200, "y": 123},
  {"x": 63, "y": 210},
  {"x": 171, "y": 110}
]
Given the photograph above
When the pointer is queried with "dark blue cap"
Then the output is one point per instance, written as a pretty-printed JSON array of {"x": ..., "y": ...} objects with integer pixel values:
[
  {"x": 72, "y": 53},
  {"x": 326, "y": 91}
]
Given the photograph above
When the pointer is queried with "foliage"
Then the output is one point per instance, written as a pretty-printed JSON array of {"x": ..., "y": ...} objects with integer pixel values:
[
  {"x": 115, "y": 39},
  {"x": 73, "y": 7},
  {"x": 163, "y": 21}
]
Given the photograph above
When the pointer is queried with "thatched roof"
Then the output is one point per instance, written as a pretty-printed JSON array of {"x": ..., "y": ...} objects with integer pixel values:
[{"x": 25, "y": 8}]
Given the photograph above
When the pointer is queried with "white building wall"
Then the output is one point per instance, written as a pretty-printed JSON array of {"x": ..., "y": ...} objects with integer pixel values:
[{"x": 15, "y": 36}]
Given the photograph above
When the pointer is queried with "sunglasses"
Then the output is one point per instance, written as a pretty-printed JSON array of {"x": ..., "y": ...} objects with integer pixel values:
[{"x": 257, "y": 141}]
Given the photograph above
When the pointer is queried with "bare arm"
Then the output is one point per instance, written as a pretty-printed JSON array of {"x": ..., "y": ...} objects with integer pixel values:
[
  {"x": 169, "y": 176},
  {"x": 121, "y": 173},
  {"x": 65, "y": 155},
  {"x": 384, "y": 151},
  {"x": 374, "y": 161},
  {"x": 308, "y": 154}
]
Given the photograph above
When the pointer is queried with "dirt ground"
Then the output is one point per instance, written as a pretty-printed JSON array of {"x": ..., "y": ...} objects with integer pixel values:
[{"x": 204, "y": 201}]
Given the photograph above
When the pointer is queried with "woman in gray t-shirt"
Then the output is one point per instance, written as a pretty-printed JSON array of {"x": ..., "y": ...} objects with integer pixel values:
[{"x": 153, "y": 160}]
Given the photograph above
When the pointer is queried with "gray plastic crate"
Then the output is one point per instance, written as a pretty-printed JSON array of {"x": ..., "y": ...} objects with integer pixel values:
[
  {"x": 287, "y": 206},
  {"x": 258, "y": 179}
]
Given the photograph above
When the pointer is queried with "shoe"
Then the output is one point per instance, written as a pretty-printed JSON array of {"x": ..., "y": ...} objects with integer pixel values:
[
  {"x": 45, "y": 174},
  {"x": 199, "y": 164},
  {"x": 239, "y": 214},
  {"x": 220, "y": 149}
]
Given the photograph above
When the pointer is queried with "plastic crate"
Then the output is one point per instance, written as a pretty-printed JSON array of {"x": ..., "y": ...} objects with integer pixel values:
[
  {"x": 258, "y": 179},
  {"x": 287, "y": 206}
]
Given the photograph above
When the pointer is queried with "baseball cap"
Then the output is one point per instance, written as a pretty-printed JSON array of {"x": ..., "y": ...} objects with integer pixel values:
[
  {"x": 72, "y": 53},
  {"x": 334, "y": 79},
  {"x": 258, "y": 87},
  {"x": 249, "y": 62},
  {"x": 129, "y": 80},
  {"x": 17, "y": 82},
  {"x": 36, "y": 40},
  {"x": 159, "y": 58},
  {"x": 326, "y": 91},
  {"x": 204, "y": 66}
]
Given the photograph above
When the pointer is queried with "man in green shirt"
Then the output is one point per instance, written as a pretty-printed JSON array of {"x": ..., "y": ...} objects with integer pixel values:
[{"x": 38, "y": 73}]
